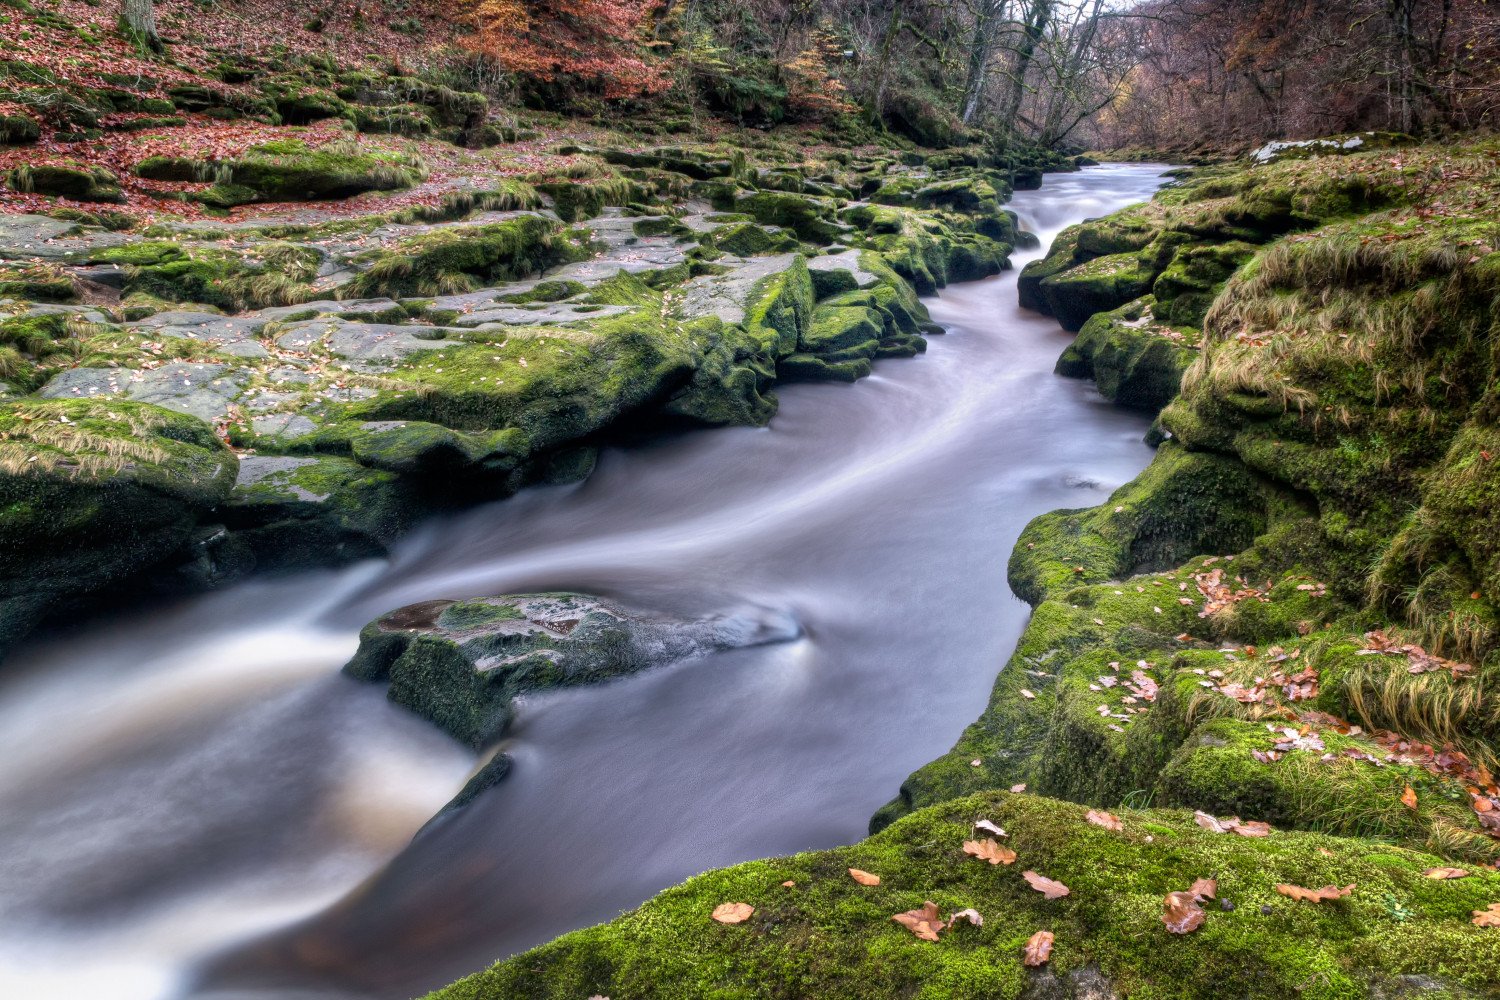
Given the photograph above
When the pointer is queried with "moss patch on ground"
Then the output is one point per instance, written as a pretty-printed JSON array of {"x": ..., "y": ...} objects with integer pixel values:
[{"x": 826, "y": 935}]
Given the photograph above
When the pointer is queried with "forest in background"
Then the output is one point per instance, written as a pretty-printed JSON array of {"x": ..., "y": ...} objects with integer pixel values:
[{"x": 1158, "y": 74}]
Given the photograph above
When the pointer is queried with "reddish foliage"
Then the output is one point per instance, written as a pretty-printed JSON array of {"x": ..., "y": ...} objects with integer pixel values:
[{"x": 599, "y": 41}]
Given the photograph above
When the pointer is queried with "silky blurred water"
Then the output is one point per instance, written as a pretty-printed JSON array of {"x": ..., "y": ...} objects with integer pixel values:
[{"x": 193, "y": 802}]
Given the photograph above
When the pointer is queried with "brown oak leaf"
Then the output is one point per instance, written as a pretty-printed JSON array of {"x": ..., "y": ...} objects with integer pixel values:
[
  {"x": 990, "y": 850},
  {"x": 1323, "y": 895},
  {"x": 1181, "y": 913},
  {"x": 1446, "y": 873},
  {"x": 1038, "y": 948},
  {"x": 1205, "y": 888},
  {"x": 1104, "y": 819},
  {"x": 1487, "y": 917},
  {"x": 864, "y": 878},
  {"x": 1050, "y": 888},
  {"x": 733, "y": 913},
  {"x": 924, "y": 923}
]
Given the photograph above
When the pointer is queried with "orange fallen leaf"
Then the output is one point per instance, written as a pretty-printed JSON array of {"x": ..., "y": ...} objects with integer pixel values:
[
  {"x": 864, "y": 878},
  {"x": 1205, "y": 888},
  {"x": 1409, "y": 797},
  {"x": 733, "y": 913},
  {"x": 924, "y": 923},
  {"x": 1323, "y": 895},
  {"x": 1050, "y": 888},
  {"x": 788, "y": 884},
  {"x": 1254, "y": 828},
  {"x": 1038, "y": 948},
  {"x": 1487, "y": 917},
  {"x": 1181, "y": 913},
  {"x": 990, "y": 850},
  {"x": 1104, "y": 819},
  {"x": 1446, "y": 873}
]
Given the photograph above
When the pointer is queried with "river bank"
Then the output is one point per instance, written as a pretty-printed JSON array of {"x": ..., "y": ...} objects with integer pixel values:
[{"x": 1212, "y": 638}]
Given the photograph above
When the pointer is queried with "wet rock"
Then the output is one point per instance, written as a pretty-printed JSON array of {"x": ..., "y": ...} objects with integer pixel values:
[
  {"x": 94, "y": 492},
  {"x": 204, "y": 391},
  {"x": 460, "y": 664},
  {"x": 1087, "y": 983}
]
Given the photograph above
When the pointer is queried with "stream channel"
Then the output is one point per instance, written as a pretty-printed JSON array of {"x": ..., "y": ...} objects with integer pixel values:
[{"x": 195, "y": 803}]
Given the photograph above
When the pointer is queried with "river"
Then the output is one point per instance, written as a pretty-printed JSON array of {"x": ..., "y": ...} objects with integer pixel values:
[{"x": 194, "y": 803}]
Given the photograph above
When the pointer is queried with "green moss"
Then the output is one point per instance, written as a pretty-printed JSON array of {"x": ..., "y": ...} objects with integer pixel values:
[
  {"x": 830, "y": 937},
  {"x": 291, "y": 170},
  {"x": 458, "y": 259},
  {"x": 1135, "y": 360},
  {"x": 79, "y": 182},
  {"x": 808, "y": 217},
  {"x": 748, "y": 240}
]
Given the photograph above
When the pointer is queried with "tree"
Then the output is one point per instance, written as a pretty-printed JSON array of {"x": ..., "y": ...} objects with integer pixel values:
[
  {"x": 139, "y": 17},
  {"x": 599, "y": 42}
]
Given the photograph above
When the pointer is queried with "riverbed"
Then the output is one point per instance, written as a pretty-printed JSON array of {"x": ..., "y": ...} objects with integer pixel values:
[{"x": 195, "y": 803}]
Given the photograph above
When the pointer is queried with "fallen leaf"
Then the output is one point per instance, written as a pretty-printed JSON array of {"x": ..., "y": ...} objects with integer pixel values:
[
  {"x": 1018, "y": 789},
  {"x": 788, "y": 884},
  {"x": 1487, "y": 917},
  {"x": 1038, "y": 948},
  {"x": 1233, "y": 824},
  {"x": 864, "y": 878},
  {"x": 1029, "y": 696},
  {"x": 971, "y": 915},
  {"x": 985, "y": 826},
  {"x": 1409, "y": 798},
  {"x": 1104, "y": 819},
  {"x": 733, "y": 913},
  {"x": 1050, "y": 888},
  {"x": 1210, "y": 823},
  {"x": 1323, "y": 895},
  {"x": 1181, "y": 913},
  {"x": 924, "y": 923},
  {"x": 1446, "y": 873},
  {"x": 990, "y": 850},
  {"x": 1205, "y": 888}
]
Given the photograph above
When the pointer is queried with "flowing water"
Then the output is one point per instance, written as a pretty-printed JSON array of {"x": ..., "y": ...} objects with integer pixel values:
[{"x": 195, "y": 803}]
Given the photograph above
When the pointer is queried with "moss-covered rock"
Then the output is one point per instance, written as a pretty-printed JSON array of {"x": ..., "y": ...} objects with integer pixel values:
[
  {"x": 816, "y": 932},
  {"x": 460, "y": 663},
  {"x": 92, "y": 492},
  {"x": 16, "y": 129},
  {"x": 291, "y": 170},
  {"x": 1136, "y": 360},
  {"x": 457, "y": 259},
  {"x": 1100, "y": 284},
  {"x": 63, "y": 180}
]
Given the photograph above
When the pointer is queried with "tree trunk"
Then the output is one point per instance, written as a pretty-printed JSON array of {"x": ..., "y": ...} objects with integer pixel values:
[
  {"x": 1036, "y": 23},
  {"x": 893, "y": 27},
  {"x": 987, "y": 16},
  {"x": 140, "y": 19}
]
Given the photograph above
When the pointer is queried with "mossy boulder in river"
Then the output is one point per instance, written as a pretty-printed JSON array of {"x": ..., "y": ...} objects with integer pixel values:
[
  {"x": 94, "y": 491},
  {"x": 1136, "y": 360},
  {"x": 461, "y": 663}
]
